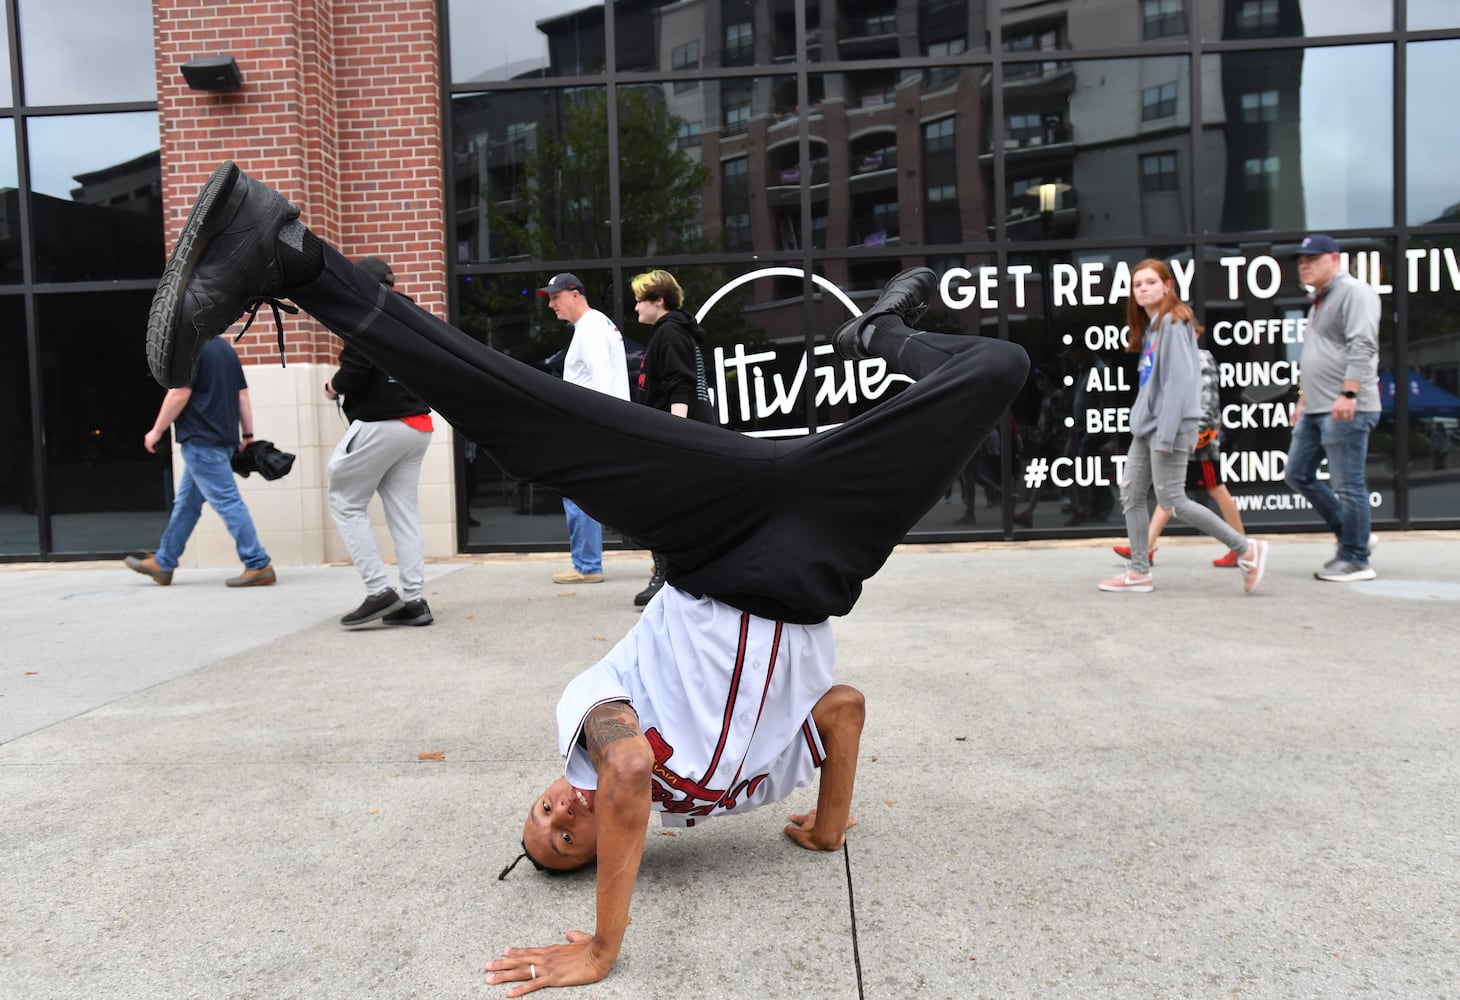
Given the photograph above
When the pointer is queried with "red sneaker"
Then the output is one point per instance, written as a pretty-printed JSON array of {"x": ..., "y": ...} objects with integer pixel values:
[
  {"x": 1124, "y": 552},
  {"x": 1230, "y": 559}
]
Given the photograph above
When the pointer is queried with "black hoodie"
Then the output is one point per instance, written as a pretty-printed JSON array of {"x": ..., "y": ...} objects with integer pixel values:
[{"x": 673, "y": 369}]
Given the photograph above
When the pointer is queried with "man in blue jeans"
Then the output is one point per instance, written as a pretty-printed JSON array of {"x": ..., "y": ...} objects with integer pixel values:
[
  {"x": 1338, "y": 405},
  {"x": 208, "y": 414}
]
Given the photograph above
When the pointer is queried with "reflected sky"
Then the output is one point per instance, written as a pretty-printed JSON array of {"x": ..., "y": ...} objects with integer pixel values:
[
  {"x": 1347, "y": 109},
  {"x": 1434, "y": 75},
  {"x": 87, "y": 51},
  {"x": 62, "y": 147},
  {"x": 499, "y": 39}
]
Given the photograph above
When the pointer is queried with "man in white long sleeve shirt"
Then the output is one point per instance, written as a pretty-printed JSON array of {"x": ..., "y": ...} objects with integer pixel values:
[{"x": 595, "y": 361}]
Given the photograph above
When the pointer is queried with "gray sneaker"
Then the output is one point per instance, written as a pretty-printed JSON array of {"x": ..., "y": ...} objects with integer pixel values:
[
  {"x": 375, "y": 607},
  {"x": 1343, "y": 571}
]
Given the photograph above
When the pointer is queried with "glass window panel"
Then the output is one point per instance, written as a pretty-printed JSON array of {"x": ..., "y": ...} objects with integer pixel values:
[
  {"x": 19, "y": 533},
  {"x": 885, "y": 153},
  {"x": 1243, "y": 19},
  {"x": 1254, "y": 310},
  {"x": 530, "y": 175},
  {"x": 1433, "y": 386},
  {"x": 1097, "y": 148},
  {"x": 1289, "y": 137},
  {"x": 505, "y": 312},
  {"x": 1426, "y": 15},
  {"x": 87, "y": 51},
  {"x": 105, "y": 491},
  {"x": 663, "y": 178},
  {"x": 511, "y": 39},
  {"x": 1433, "y": 79},
  {"x": 10, "y": 272},
  {"x": 96, "y": 196},
  {"x": 5, "y": 95}
]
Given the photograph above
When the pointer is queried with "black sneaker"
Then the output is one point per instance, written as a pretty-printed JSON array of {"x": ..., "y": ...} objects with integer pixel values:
[
  {"x": 410, "y": 613},
  {"x": 223, "y": 263},
  {"x": 906, "y": 296},
  {"x": 376, "y": 606}
]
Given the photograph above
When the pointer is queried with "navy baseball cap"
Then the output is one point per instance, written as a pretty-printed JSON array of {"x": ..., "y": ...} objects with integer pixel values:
[
  {"x": 564, "y": 282},
  {"x": 1316, "y": 244}
]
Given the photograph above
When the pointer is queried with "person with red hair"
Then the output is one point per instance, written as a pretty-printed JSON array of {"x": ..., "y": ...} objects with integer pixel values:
[{"x": 1164, "y": 421}]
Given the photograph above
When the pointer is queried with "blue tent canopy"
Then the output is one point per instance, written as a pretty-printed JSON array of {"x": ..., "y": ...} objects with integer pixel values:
[{"x": 1425, "y": 398}]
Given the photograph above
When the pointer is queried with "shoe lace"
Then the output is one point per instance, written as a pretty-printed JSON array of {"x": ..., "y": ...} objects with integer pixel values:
[{"x": 252, "y": 307}]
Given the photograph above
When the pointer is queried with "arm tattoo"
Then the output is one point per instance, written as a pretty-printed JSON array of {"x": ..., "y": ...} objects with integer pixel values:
[{"x": 608, "y": 724}]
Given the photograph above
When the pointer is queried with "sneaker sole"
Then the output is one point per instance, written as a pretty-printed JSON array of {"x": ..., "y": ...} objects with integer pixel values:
[
  {"x": 1357, "y": 577},
  {"x": 1140, "y": 588},
  {"x": 167, "y": 302},
  {"x": 418, "y": 621}
]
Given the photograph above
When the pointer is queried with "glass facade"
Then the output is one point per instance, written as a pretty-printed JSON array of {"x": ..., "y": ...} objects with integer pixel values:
[
  {"x": 785, "y": 158},
  {"x": 81, "y": 248}
]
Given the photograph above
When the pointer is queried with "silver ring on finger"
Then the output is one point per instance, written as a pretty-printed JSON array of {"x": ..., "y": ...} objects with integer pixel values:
[{"x": 532, "y": 969}]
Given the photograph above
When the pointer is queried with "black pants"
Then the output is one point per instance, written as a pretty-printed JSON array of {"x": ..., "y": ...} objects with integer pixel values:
[{"x": 787, "y": 530}]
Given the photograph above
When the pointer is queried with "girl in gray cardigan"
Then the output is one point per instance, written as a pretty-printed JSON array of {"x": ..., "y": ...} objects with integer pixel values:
[{"x": 1164, "y": 420}]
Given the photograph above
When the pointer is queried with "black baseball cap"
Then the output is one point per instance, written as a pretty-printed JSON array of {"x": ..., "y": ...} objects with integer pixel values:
[
  {"x": 564, "y": 282},
  {"x": 1316, "y": 244}
]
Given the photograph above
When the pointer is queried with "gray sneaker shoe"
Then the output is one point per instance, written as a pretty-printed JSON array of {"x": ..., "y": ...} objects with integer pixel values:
[
  {"x": 415, "y": 612},
  {"x": 375, "y": 607},
  {"x": 225, "y": 261},
  {"x": 1343, "y": 571}
]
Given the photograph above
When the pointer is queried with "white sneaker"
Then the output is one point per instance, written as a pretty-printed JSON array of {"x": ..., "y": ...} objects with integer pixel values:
[{"x": 1254, "y": 565}]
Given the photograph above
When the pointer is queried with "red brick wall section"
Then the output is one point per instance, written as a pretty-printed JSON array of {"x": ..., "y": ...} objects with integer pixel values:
[{"x": 340, "y": 110}]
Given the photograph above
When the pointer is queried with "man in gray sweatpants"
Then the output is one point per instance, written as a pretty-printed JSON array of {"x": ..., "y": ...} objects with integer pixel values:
[{"x": 381, "y": 452}]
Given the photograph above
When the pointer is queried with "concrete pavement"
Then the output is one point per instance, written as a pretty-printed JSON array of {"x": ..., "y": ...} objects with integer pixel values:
[{"x": 1062, "y": 793}]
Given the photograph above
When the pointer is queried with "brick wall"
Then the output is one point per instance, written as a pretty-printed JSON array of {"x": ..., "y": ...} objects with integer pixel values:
[{"x": 340, "y": 110}]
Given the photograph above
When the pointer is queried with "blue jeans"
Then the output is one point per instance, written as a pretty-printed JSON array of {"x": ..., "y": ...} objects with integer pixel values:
[
  {"x": 208, "y": 476},
  {"x": 1344, "y": 506},
  {"x": 585, "y": 539}
]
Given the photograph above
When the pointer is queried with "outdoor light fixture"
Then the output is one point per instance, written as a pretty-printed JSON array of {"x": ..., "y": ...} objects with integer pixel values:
[{"x": 212, "y": 73}]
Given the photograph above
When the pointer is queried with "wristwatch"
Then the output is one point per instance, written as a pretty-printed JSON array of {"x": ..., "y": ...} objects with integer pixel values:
[{"x": 1350, "y": 394}]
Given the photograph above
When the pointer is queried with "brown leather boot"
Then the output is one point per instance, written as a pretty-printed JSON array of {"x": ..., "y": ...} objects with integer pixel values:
[
  {"x": 254, "y": 577},
  {"x": 148, "y": 567}
]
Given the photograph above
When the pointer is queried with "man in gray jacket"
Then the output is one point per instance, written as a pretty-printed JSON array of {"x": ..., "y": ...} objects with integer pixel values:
[{"x": 1338, "y": 404}]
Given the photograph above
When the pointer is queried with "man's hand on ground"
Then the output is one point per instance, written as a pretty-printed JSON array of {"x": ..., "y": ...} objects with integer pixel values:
[
  {"x": 802, "y": 829},
  {"x": 571, "y": 964}
]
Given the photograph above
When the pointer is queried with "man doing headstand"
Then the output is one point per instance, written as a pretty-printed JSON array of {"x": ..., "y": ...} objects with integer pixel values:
[{"x": 720, "y": 698}]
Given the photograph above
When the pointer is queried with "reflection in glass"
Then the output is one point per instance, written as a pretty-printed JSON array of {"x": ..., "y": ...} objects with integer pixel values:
[
  {"x": 1095, "y": 148},
  {"x": 1425, "y": 15},
  {"x": 1295, "y": 133},
  {"x": 1433, "y": 384},
  {"x": 1433, "y": 79},
  {"x": 505, "y": 312},
  {"x": 10, "y": 271},
  {"x": 511, "y": 39},
  {"x": 5, "y": 95},
  {"x": 1246, "y": 19},
  {"x": 530, "y": 170},
  {"x": 106, "y": 493},
  {"x": 87, "y": 51},
  {"x": 18, "y": 530},
  {"x": 96, "y": 198}
]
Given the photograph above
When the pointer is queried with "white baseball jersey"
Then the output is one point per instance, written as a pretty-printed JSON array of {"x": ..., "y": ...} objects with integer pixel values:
[
  {"x": 724, "y": 698},
  {"x": 595, "y": 356}
]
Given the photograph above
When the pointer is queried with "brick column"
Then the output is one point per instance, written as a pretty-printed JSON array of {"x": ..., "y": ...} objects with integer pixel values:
[{"x": 340, "y": 110}]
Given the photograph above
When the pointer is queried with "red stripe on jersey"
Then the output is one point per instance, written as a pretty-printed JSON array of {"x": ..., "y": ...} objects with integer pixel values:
[
  {"x": 764, "y": 694},
  {"x": 730, "y": 696},
  {"x": 810, "y": 743}
]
